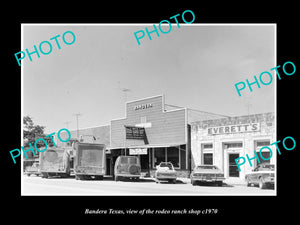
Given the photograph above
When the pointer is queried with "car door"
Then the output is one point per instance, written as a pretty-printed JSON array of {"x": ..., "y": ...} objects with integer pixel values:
[{"x": 255, "y": 175}]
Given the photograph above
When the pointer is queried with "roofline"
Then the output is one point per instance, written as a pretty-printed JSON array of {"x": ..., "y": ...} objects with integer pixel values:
[
  {"x": 91, "y": 127},
  {"x": 197, "y": 110},
  {"x": 161, "y": 95}
]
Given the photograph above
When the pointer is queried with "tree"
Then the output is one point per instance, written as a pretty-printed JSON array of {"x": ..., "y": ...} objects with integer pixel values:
[{"x": 32, "y": 132}]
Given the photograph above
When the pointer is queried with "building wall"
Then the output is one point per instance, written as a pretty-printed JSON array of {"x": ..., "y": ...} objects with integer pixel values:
[
  {"x": 202, "y": 135},
  {"x": 101, "y": 133},
  {"x": 162, "y": 127}
]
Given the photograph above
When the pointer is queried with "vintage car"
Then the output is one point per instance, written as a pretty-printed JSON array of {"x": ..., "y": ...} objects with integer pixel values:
[
  {"x": 34, "y": 169},
  {"x": 165, "y": 172},
  {"x": 263, "y": 175},
  {"x": 127, "y": 167},
  {"x": 207, "y": 173}
]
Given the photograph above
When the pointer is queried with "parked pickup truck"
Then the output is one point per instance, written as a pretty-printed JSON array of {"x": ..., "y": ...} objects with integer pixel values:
[
  {"x": 55, "y": 162},
  {"x": 89, "y": 161}
]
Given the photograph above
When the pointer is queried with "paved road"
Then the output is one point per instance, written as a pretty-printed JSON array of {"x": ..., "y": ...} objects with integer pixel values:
[{"x": 69, "y": 186}]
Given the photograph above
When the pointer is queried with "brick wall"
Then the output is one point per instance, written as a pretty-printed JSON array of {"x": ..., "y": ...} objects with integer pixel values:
[{"x": 199, "y": 136}]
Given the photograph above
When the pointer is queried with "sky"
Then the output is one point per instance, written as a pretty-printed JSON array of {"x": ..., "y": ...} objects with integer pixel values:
[{"x": 194, "y": 66}]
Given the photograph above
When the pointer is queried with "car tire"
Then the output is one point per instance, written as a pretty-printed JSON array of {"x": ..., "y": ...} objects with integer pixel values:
[
  {"x": 133, "y": 169},
  {"x": 261, "y": 183},
  {"x": 98, "y": 177},
  {"x": 219, "y": 183},
  {"x": 248, "y": 182},
  {"x": 44, "y": 175},
  {"x": 193, "y": 182}
]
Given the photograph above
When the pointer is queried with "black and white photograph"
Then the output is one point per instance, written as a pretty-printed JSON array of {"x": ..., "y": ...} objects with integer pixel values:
[{"x": 178, "y": 114}]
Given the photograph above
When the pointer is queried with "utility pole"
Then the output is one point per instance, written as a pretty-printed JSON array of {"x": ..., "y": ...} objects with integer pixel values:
[
  {"x": 67, "y": 124},
  {"x": 248, "y": 105},
  {"x": 77, "y": 115}
]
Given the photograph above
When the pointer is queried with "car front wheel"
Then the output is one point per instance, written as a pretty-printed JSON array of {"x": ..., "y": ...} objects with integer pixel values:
[
  {"x": 193, "y": 182},
  {"x": 261, "y": 184},
  {"x": 248, "y": 182},
  {"x": 219, "y": 183}
]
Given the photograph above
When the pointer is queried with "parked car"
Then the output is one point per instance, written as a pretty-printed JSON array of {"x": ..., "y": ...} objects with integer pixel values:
[
  {"x": 127, "y": 167},
  {"x": 263, "y": 175},
  {"x": 207, "y": 173},
  {"x": 34, "y": 169},
  {"x": 165, "y": 171}
]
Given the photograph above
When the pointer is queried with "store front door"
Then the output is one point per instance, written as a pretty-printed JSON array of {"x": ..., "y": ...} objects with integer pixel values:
[
  {"x": 145, "y": 164},
  {"x": 233, "y": 169}
]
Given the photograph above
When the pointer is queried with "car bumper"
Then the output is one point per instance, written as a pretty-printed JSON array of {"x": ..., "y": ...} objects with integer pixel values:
[
  {"x": 53, "y": 171},
  {"x": 166, "y": 177},
  {"x": 90, "y": 173},
  {"x": 204, "y": 179},
  {"x": 127, "y": 175},
  {"x": 269, "y": 180}
]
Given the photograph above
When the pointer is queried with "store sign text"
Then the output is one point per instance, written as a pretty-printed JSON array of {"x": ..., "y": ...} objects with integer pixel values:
[
  {"x": 240, "y": 128},
  {"x": 143, "y": 106},
  {"x": 138, "y": 151}
]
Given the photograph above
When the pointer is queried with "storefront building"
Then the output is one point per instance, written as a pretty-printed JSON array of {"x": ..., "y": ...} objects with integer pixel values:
[
  {"x": 166, "y": 134},
  {"x": 183, "y": 136},
  {"x": 219, "y": 142}
]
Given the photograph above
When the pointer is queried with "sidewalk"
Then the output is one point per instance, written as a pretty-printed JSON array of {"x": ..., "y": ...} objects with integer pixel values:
[
  {"x": 235, "y": 181},
  {"x": 228, "y": 181}
]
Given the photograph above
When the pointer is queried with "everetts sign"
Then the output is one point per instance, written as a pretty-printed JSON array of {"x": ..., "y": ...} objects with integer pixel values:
[{"x": 238, "y": 128}]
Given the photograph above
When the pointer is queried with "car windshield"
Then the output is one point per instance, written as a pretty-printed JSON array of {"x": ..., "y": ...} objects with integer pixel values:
[
  {"x": 168, "y": 165},
  {"x": 267, "y": 167},
  {"x": 207, "y": 167},
  {"x": 128, "y": 160}
]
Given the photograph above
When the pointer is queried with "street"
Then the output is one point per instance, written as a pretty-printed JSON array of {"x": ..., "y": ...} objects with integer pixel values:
[{"x": 35, "y": 185}]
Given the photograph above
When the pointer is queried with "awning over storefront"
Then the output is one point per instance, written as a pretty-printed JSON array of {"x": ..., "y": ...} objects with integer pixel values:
[{"x": 149, "y": 146}]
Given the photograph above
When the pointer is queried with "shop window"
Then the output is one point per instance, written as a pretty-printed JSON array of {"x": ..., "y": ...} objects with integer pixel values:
[
  {"x": 159, "y": 156},
  {"x": 265, "y": 155},
  {"x": 262, "y": 143},
  {"x": 182, "y": 157},
  {"x": 234, "y": 145},
  {"x": 208, "y": 158},
  {"x": 207, "y": 146},
  {"x": 173, "y": 156}
]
